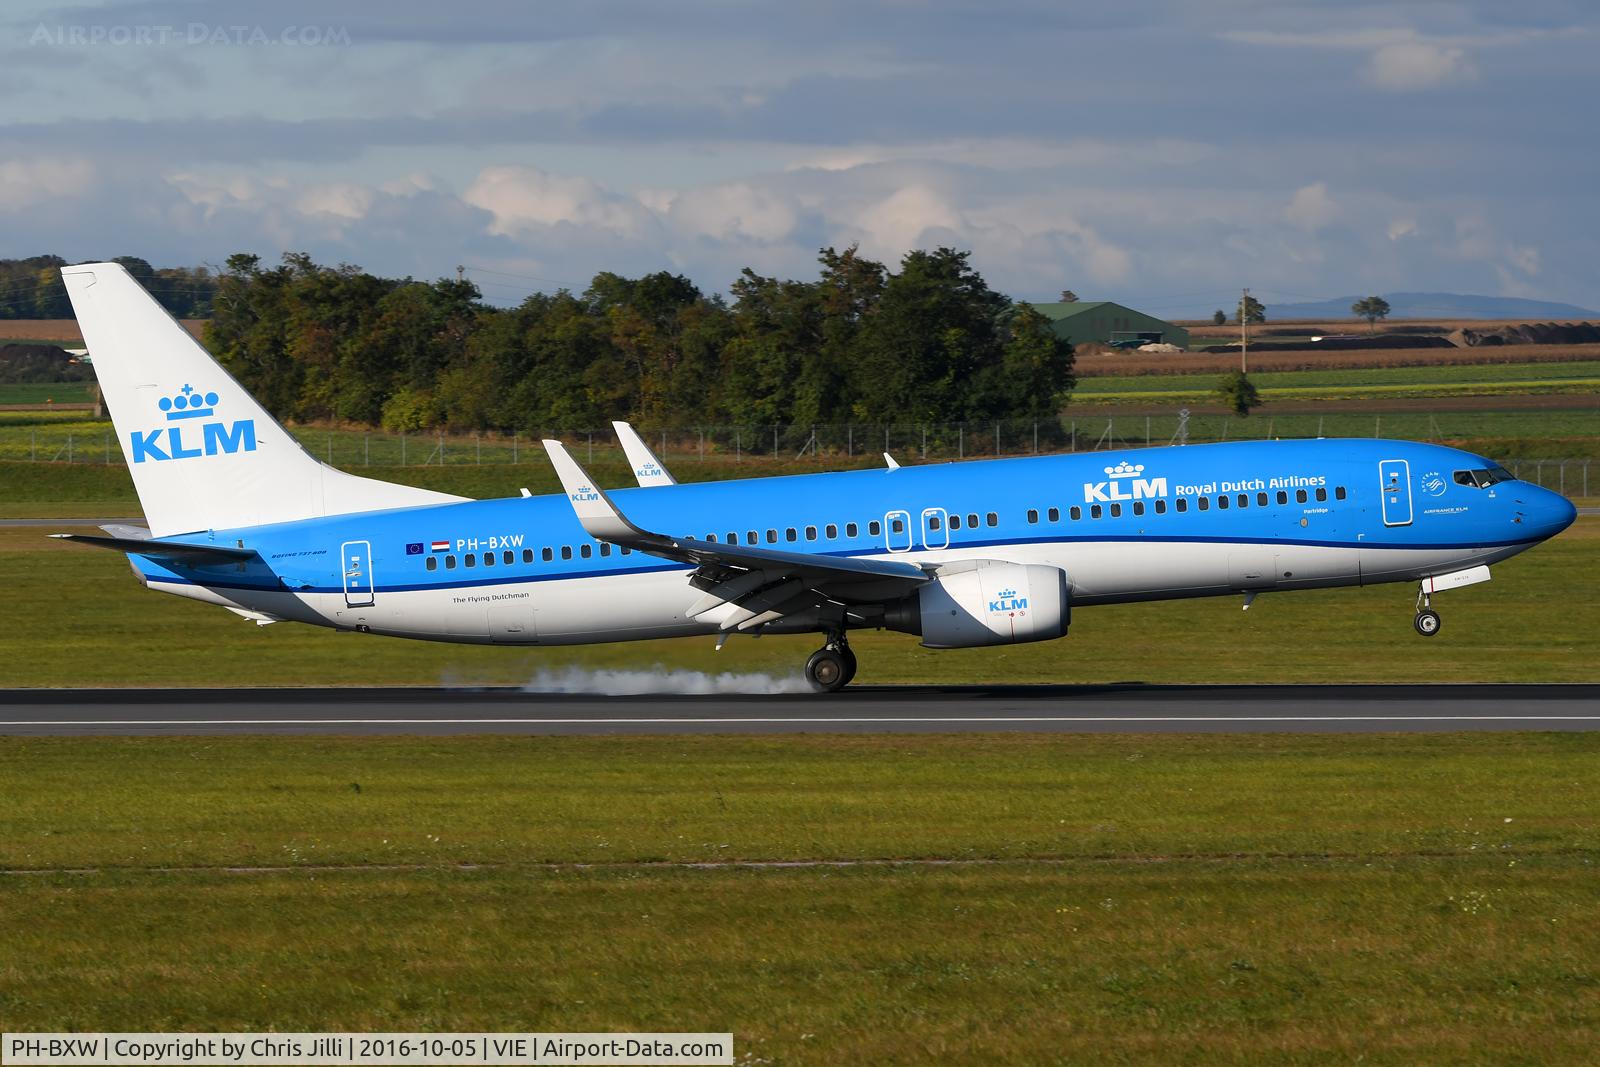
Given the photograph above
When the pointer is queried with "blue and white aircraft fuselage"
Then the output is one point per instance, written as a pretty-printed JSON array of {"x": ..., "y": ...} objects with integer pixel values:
[{"x": 964, "y": 554}]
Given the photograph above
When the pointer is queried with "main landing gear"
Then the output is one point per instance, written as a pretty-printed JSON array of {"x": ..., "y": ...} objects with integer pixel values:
[
  {"x": 1427, "y": 620},
  {"x": 831, "y": 667}
]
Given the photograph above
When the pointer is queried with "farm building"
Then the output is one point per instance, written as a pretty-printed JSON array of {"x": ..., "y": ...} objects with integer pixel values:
[{"x": 1106, "y": 322}]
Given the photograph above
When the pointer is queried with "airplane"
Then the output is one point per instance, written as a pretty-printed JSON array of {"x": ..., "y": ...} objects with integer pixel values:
[{"x": 968, "y": 554}]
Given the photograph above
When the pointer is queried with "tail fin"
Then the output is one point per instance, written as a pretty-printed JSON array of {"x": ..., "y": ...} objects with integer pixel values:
[{"x": 203, "y": 454}]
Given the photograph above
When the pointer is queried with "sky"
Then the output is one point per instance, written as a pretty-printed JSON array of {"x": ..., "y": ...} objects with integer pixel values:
[{"x": 1161, "y": 153}]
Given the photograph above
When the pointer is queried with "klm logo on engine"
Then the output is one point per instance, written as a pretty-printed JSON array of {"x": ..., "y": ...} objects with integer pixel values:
[
  {"x": 1126, "y": 482},
  {"x": 191, "y": 437},
  {"x": 1008, "y": 600}
]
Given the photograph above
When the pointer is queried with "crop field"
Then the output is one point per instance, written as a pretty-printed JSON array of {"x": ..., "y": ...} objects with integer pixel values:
[
  {"x": 1114, "y": 363},
  {"x": 1347, "y": 383},
  {"x": 1009, "y": 899}
]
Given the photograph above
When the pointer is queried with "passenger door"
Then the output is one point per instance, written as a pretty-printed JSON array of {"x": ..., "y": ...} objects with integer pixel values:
[
  {"x": 935, "y": 528},
  {"x": 897, "y": 534},
  {"x": 1395, "y": 476}
]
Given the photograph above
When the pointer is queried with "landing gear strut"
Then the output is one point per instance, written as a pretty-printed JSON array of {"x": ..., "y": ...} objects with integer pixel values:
[
  {"x": 1427, "y": 620},
  {"x": 831, "y": 667}
]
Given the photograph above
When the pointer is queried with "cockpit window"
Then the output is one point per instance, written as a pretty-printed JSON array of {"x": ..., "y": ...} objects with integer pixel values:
[{"x": 1484, "y": 478}]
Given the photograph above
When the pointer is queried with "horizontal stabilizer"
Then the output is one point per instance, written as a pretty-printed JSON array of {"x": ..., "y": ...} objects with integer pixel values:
[{"x": 158, "y": 549}]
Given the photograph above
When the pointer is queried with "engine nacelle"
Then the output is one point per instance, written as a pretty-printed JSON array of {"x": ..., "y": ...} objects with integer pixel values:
[{"x": 986, "y": 603}]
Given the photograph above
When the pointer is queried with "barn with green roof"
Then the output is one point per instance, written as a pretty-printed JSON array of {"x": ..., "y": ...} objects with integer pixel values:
[{"x": 1107, "y": 322}]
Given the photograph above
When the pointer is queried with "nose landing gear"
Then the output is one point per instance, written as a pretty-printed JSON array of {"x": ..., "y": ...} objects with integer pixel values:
[
  {"x": 1427, "y": 620},
  {"x": 832, "y": 666}
]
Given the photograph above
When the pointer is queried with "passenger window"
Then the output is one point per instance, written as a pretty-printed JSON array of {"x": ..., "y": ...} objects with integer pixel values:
[
  {"x": 507, "y": 558},
  {"x": 811, "y": 533},
  {"x": 566, "y": 551},
  {"x": 1095, "y": 511},
  {"x": 1322, "y": 494},
  {"x": 433, "y": 563},
  {"x": 1183, "y": 503},
  {"x": 1244, "y": 500},
  {"x": 1283, "y": 498},
  {"x": 955, "y": 522},
  {"x": 1161, "y": 507},
  {"x": 1138, "y": 507},
  {"x": 469, "y": 559},
  {"x": 874, "y": 528},
  {"x": 1205, "y": 503},
  {"x": 1222, "y": 502},
  {"x": 832, "y": 532},
  {"x": 626, "y": 550},
  {"x": 898, "y": 526},
  {"x": 449, "y": 563},
  {"x": 1300, "y": 496},
  {"x": 733, "y": 537},
  {"x": 772, "y": 537},
  {"x": 1338, "y": 492},
  {"x": 1076, "y": 513},
  {"x": 790, "y": 534},
  {"x": 993, "y": 519},
  {"x": 1116, "y": 511},
  {"x": 972, "y": 520},
  {"x": 850, "y": 529},
  {"x": 1261, "y": 500},
  {"x": 712, "y": 538},
  {"x": 527, "y": 555},
  {"x": 546, "y": 555},
  {"x": 1054, "y": 514},
  {"x": 750, "y": 537},
  {"x": 605, "y": 549},
  {"x": 1033, "y": 515},
  {"x": 585, "y": 551},
  {"x": 488, "y": 559},
  {"x": 933, "y": 522}
]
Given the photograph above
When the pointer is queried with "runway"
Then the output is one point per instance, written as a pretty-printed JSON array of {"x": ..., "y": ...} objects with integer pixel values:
[{"x": 1119, "y": 708}]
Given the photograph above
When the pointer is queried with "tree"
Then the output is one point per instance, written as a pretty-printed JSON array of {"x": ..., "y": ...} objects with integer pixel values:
[
  {"x": 1371, "y": 308},
  {"x": 1239, "y": 393},
  {"x": 1068, "y": 296},
  {"x": 1250, "y": 310},
  {"x": 1218, "y": 317}
]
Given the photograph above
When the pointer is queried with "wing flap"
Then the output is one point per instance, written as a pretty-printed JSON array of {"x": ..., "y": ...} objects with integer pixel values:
[{"x": 158, "y": 549}]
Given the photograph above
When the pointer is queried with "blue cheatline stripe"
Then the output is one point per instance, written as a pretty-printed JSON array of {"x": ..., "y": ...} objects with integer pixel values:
[{"x": 520, "y": 579}]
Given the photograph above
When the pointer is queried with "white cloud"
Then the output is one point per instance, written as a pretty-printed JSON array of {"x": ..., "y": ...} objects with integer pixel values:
[
  {"x": 895, "y": 224},
  {"x": 1402, "y": 228},
  {"x": 1418, "y": 65},
  {"x": 733, "y": 211},
  {"x": 1311, "y": 208},
  {"x": 26, "y": 183},
  {"x": 345, "y": 200},
  {"x": 523, "y": 198}
]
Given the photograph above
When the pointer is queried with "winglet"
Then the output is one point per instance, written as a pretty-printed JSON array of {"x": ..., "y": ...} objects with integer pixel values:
[
  {"x": 646, "y": 467},
  {"x": 890, "y": 461},
  {"x": 597, "y": 514}
]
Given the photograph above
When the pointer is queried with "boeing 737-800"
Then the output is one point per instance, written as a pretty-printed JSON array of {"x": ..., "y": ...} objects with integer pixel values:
[{"x": 967, "y": 554}]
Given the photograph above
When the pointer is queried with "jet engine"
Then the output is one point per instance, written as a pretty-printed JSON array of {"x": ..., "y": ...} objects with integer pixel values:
[{"x": 985, "y": 602}]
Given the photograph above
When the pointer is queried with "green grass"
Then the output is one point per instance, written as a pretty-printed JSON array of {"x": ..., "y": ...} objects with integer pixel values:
[
  {"x": 76, "y": 616},
  {"x": 1207, "y": 899},
  {"x": 41, "y": 392},
  {"x": 1347, "y": 383}
]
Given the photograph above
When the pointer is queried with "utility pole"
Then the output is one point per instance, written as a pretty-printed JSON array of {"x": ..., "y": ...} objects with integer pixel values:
[{"x": 1244, "y": 331}]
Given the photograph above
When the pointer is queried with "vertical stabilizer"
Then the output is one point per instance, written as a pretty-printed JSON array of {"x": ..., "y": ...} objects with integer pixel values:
[{"x": 203, "y": 454}]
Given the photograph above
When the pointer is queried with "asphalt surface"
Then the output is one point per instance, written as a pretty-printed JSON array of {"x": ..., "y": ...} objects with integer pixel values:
[{"x": 1122, "y": 708}]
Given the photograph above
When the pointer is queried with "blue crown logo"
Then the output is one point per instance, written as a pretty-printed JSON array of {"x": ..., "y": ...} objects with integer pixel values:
[
  {"x": 1125, "y": 469},
  {"x": 188, "y": 404},
  {"x": 1004, "y": 593}
]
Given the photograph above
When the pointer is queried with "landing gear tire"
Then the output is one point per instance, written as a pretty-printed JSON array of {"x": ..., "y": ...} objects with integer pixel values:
[
  {"x": 849, "y": 664},
  {"x": 827, "y": 670},
  {"x": 1426, "y": 622}
]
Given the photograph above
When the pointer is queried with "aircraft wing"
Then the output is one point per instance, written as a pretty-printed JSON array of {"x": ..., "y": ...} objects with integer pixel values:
[
  {"x": 646, "y": 467},
  {"x": 764, "y": 583}
]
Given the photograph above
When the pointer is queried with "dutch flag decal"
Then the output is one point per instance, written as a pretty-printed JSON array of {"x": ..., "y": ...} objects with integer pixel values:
[{"x": 441, "y": 546}]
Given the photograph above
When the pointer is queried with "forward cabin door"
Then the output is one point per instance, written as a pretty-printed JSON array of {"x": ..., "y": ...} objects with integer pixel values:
[
  {"x": 355, "y": 558},
  {"x": 1395, "y": 476}
]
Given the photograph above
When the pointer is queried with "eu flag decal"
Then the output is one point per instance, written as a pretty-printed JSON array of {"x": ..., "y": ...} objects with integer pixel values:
[{"x": 414, "y": 549}]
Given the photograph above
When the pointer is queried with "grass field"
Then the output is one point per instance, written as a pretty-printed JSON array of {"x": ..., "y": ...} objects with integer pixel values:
[
  {"x": 1068, "y": 899},
  {"x": 1358, "y": 383},
  {"x": 1531, "y": 623},
  {"x": 46, "y": 392}
]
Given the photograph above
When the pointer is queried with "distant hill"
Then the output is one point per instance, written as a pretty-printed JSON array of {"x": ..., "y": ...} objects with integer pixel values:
[{"x": 1436, "y": 306}]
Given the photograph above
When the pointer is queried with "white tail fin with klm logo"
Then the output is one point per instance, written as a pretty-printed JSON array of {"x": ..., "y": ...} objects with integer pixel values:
[{"x": 203, "y": 453}]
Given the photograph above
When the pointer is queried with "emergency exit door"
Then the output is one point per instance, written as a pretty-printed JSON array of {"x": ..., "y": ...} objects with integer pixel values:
[
  {"x": 1395, "y": 474},
  {"x": 355, "y": 559}
]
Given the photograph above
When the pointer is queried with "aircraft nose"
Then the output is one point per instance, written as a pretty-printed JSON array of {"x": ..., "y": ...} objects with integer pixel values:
[{"x": 1549, "y": 512}]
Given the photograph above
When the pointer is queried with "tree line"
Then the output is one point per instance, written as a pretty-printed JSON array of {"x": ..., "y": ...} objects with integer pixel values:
[
  {"x": 930, "y": 342},
  {"x": 32, "y": 289}
]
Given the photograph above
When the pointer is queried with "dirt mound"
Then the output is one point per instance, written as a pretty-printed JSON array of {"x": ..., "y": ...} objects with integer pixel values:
[
  {"x": 1344, "y": 344},
  {"x": 1530, "y": 333},
  {"x": 39, "y": 363},
  {"x": 1159, "y": 347}
]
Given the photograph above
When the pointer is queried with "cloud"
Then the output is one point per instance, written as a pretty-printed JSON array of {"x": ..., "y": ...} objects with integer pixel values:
[
  {"x": 26, "y": 183},
  {"x": 1311, "y": 208},
  {"x": 1418, "y": 65},
  {"x": 522, "y": 199}
]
